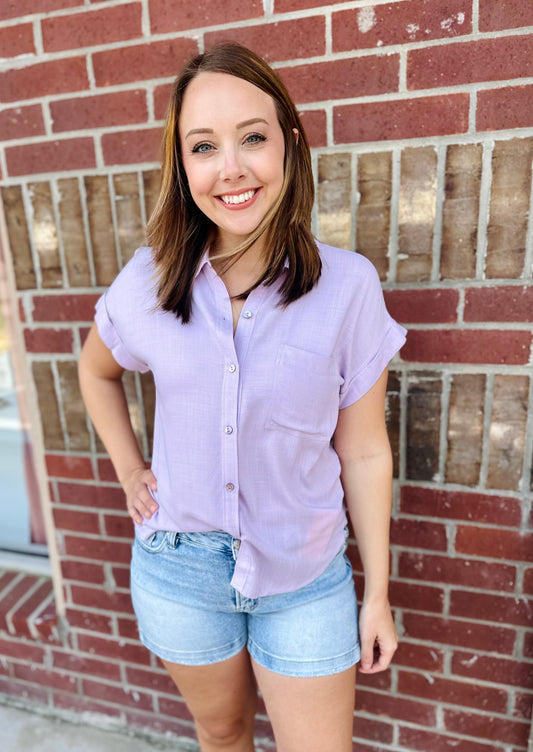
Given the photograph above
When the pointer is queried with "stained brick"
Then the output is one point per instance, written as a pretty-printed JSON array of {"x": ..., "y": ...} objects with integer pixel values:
[
  {"x": 100, "y": 222},
  {"x": 24, "y": 690},
  {"x": 17, "y": 8},
  {"x": 130, "y": 652},
  {"x": 118, "y": 526},
  {"x": 423, "y": 306},
  {"x": 64, "y": 307},
  {"x": 431, "y": 687},
  {"x": 494, "y": 543},
  {"x": 401, "y": 118},
  {"x": 48, "y": 406},
  {"x": 36, "y": 81},
  {"x": 465, "y": 429},
  {"x": 284, "y": 40},
  {"x": 466, "y": 63},
  {"x": 281, "y": 6},
  {"x": 102, "y": 110},
  {"x": 417, "y": 712},
  {"x": 140, "y": 62},
  {"x": 420, "y": 740},
  {"x": 83, "y": 705},
  {"x": 192, "y": 13},
  {"x": 399, "y": 23},
  {"x": 486, "y": 726},
  {"x": 457, "y": 571},
  {"x": 21, "y": 122},
  {"x": 78, "y": 664},
  {"x": 334, "y": 199},
  {"x": 418, "y": 656},
  {"x": 509, "y": 207},
  {"x": 51, "y": 156},
  {"x": 77, "y": 432},
  {"x": 507, "y": 432},
  {"x": 48, "y": 340},
  {"x": 499, "y": 109},
  {"x": 460, "y": 505},
  {"x": 117, "y": 695},
  {"x": 468, "y": 346},
  {"x": 491, "y": 607},
  {"x": 374, "y": 184},
  {"x": 417, "y": 597},
  {"x": 495, "y": 15},
  {"x": 528, "y": 581},
  {"x": 491, "y": 668},
  {"x": 69, "y": 466},
  {"x": 89, "y": 620},
  {"x": 368, "y": 728},
  {"x": 45, "y": 678},
  {"x": 510, "y": 303},
  {"x": 132, "y": 147},
  {"x": 103, "y": 26},
  {"x": 409, "y": 533},
  {"x": 460, "y": 211},
  {"x": 18, "y": 235},
  {"x": 340, "y": 79},
  {"x": 423, "y": 426},
  {"x": 73, "y": 233},
  {"x": 89, "y": 495},
  {"x": 128, "y": 212},
  {"x": 464, "y": 634},
  {"x": 523, "y": 705}
]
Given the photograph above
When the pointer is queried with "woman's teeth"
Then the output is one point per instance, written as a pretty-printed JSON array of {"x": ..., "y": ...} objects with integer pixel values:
[{"x": 240, "y": 199}]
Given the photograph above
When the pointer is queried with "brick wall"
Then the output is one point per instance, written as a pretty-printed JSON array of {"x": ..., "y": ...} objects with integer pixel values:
[{"x": 420, "y": 117}]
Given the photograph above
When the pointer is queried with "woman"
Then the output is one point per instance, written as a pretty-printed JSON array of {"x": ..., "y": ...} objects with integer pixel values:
[{"x": 264, "y": 346}]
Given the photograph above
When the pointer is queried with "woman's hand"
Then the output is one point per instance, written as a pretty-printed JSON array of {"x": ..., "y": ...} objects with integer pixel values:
[
  {"x": 140, "y": 502},
  {"x": 377, "y": 635}
]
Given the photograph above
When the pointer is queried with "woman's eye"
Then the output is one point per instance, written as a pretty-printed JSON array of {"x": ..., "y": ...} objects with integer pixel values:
[
  {"x": 202, "y": 148},
  {"x": 255, "y": 138}
]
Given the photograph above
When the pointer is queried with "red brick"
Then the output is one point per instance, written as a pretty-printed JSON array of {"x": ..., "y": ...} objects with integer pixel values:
[
  {"x": 117, "y": 695},
  {"x": 45, "y": 622},
  {"x": 423, "y": 306},
  {"x": 48, "y": 340},
  {"x": 93, "y": 27},
  {"x": 14, "y": 595},
  {"x": 418, "y": 739},
  {"x": 26, "y": 651},
  {"x": 420, "y": 713},
  {"x": 128, "y": 628},
  {"x": 495, "y": 544},
  {"x": 20, "y": 619},
  {"x": 154, "y": 722},
  {"x": 431, "y": 687},
  {"x": 153, "y": 680},
  {"x": 460, "y": 505},
  {"x": 340, "y": 79},
  {"x": 106, "y": 471},
  {"x": 69, "y": 466},
  {"x": 17, "y": 8},
  {"x": 118, "y": 526},
  {"x": 132, "y": 147},
  {"x": 13, "y": 688},
  {"x": 105, "y": 497},
  {"x": 89, "y": 621},
  {"x": 281, "y": 6},
  {"x": 418, "y": 534},
  {"x": 370, "y": 729},
  {"x": 495, "y": 15},
  {"x": 490, "y": 668},
  {"x": 94, "y": 548},
  {"x": 92, "y": 597},
  {"x": 401, "y": 118},
  {"x": 17, "y": 40},
  {"x": 457, "y": 571},
  {"x": 83, "y": 705},
  {"x": 36, "y": 81},
  {"x": 78, "y": 664},
  {"x": 315, "y": 124},
  {"x": 487, "y": 727},
  {"x": 64, "y": 307},
  {"x": 189, "y": 14},
  {"x": 511, "y": 303},
  {"x": 286, "y": 40},
  {"x": 490, "y": 607},
  {"x": 416, "y": 597},
  {"x": 51, "y": 156},
  {"x": 528, "y": 645},
  {"x": 468, "y": 62},
  {"x": 141, "y": 62},
  {"x": 178, "y": 709},
  {"x": 528, "y": 581},
  {"x": 117, "y": 650},
  {"x": 419, "y": 656},
  {"x": 81, "y": 522},
  {"x": 523, "y": 705},
  {"x": 118, "y": 108},
  {"x": 6, "y": 578},
  {"x": 381, "y": 681},
  {"x": 461, "y": 633},
  {"x": 121, "y": 576},
  {"x": 161, "y": 100},
  {"x": 471, "y": 346},
  {"x": 399, "y": 23},
  {"x": 500, "y": 109},
  {"x": 45, "y": 678},
  {"x": 82, "y": 571}
]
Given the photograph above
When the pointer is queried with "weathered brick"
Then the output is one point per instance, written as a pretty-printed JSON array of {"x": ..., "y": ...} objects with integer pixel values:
[
  {"x": 21, "y": 586},
  {"x": 128, "y": 211},
  {"x": 93, "y": 27},
  {"x": 465, "y": 428},
  {"x": 401, "y": 118},
  {"x": 399, "y": 23},
  {"x": 162, "y": 95},
  {"x": 85, "y": 495},
  {"x": 48, "y": 406},
  {"x": 64, "y": 307},
  {"x": 415, "y": 597},
  {"x": 281, "y": 6},
  {"x": 495, "y": 15},
  {"x": 393, "y": 418},
  {"x": 509, "y": 207},
  {"x": 151, "y": 186},
  {"x": 118, "y": 650},
  {"x": 44, "y": 232},
  {"x": 468, "y": 346},
  {"x": 510, "y": 303},
  {"x": 456, "y": 571},
  {"x": 140, "y": 62},
  {"x": 418, "y": 656},
  {"x": 121, "y": 576},
  {"x": 82, "y": 571},
  {"x": 153, "y": 680},
  {"x": 102, "y": 110},
  {"x": 154, "y": 722},
  {"x": 79, "y": 704},
  {"x": 21, "y": 617},
  {"x": 527, "y": 586},
  {"x": 21, "y": 122},
  {"x": 431, "y": 687},
  {"x": 94, "y": 597},
  {"x": 78, "y": 436},
  {"x": 117, "y": 695},
  {"x": 95, "y": 548},
  {"x": 189, "y": 14},
  {"x": 423, "y": 306},
  {"x": 17, "y": 40},
  {"x": 77, "y": 664},
  {"x": 24, "y": 690},
  {"x": 512, "y": 545},
  {"x": 89, "y": 620},
  {"x": 500, "y": 109},
  {"x": 416, "y": 213},
  {"x": 334, "y": 199},
  {"x": 132, "y": 147},
  {"x": 45, "y": 677},
  {"x": 468, "y": 62},
  {"x": 460, "y": 211},
  {"x": 421, "y": 740},
  {"x": 315, "y": 125},
  {"x": 284, "y": 40},
  {"x": 460, "y": 505},
  {"x": 486, "y": 726},
  {"x": 48, "y": 340},
  {"x": 17, "y": 8},
  {"x": 491, "y": 607},
  {"x": 127, "y": 628},
  {"x": 36, "y": 81},
  {"x": 118, "y": 526},
  {"x": 17, "y": 230},
  {"x": 413, "y": 711},
  {"x": 464, "y": 634},
  {"x": 423, "y": 425},
  {"x": 528, "y": 645},
  {"x": 51, "y": 156},
  {"x": 523, "y": 705},
  {"x": 374, "y": 184},
  {"x": 100, "y": 224},
  {"x": 73, "y": 233},
  {"x": 491, "y": 668},
  {"x": 77, "y": 521},
  {"x": 507, "y": 433},
  {"x": 69, "y": 466},
  {"x": 409, "y": 533},
  {"x": 340, "y": 79}
]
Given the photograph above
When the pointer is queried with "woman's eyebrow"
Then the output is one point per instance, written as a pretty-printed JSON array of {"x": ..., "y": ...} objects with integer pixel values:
[{"x": 196, "y": 131}]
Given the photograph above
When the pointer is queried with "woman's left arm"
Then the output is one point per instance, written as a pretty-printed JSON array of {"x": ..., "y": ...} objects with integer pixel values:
[{"x": 362, "y": 445}]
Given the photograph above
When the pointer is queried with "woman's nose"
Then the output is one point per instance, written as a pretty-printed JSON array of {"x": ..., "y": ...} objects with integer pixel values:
[{"x": 231, "y": 167}]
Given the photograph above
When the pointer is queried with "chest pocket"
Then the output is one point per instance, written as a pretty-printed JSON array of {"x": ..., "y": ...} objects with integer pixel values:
[{"x": 305, "y": 395}]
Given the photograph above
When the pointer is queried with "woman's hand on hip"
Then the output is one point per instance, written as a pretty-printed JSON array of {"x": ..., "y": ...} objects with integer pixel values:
[{"x": 139, "y": 486}]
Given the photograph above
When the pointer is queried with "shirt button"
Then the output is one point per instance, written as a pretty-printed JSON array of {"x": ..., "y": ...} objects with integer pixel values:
[
  {"x": 228, "y": 429},
  {"x": 230, "y": 487},
  {"x": 232, "y": 368},
  {"x": 247, "y": 315}
]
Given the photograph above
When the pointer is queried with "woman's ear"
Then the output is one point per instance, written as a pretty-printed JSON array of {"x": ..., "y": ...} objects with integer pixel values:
[{"x": 296, "y": 133}]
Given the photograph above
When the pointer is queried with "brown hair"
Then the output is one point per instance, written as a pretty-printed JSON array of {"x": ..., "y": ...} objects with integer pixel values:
[{"x": 179, "y": 232}]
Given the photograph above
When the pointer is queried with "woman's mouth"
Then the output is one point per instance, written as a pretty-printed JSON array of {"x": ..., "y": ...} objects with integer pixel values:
[{"x": 238, "y": 200}]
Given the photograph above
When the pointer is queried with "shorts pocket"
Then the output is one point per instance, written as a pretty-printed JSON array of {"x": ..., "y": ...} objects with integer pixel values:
[{"x": 154, "y": 543}]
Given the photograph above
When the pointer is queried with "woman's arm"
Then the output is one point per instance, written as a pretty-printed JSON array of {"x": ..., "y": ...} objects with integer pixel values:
[
  {"x": 362, "y": 445},
  {"x": 103, "y": 393}
]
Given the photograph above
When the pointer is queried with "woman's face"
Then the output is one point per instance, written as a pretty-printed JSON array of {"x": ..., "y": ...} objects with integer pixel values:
[{"x": 233, "y": 150}]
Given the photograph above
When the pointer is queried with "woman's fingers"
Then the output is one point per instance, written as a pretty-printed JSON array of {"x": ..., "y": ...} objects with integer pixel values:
[{"x": 139, "y": 495}]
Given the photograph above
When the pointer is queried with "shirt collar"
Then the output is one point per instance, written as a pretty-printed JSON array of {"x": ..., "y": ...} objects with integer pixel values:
[{"x": 205, "y": 260}]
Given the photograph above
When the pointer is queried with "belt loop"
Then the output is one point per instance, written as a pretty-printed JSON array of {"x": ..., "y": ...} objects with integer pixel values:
[{"x": 173, "y": 539}]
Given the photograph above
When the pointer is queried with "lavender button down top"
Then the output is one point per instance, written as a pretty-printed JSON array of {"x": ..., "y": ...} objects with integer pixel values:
[{"x": 243, "y": 423}]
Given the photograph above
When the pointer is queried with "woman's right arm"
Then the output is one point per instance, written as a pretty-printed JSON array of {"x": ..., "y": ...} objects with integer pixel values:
[{"x": 103, "y": 393}]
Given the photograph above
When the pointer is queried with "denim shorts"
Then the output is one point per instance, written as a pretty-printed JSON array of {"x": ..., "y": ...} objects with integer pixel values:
[{"x": 188, "y": 612}]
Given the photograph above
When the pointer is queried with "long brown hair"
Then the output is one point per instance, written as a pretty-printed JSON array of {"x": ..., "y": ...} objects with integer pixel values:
[{"x": 179, "y": 232}]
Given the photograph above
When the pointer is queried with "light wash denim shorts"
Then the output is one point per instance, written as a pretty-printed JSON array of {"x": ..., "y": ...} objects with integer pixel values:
[{"x": 189, "y": 613}]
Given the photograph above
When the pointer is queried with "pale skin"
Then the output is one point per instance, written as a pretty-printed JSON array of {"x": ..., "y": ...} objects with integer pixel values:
[{"x": 306, "y": 714}]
